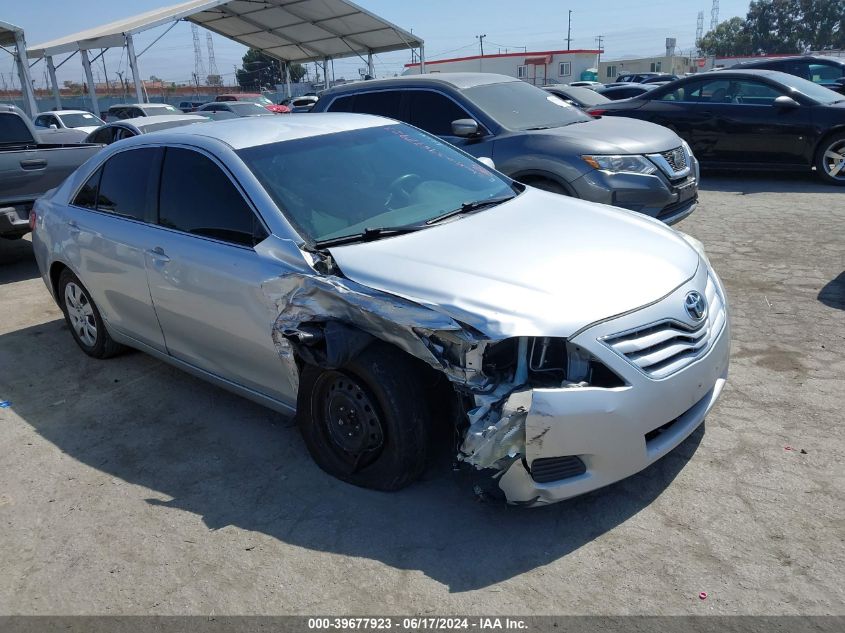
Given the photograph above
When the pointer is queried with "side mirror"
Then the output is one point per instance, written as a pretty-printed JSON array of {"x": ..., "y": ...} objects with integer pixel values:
[
  {"x": 487, "y": 161},
  {"x": 465, "y": 128},
  {"x": 786, "y": 102}
]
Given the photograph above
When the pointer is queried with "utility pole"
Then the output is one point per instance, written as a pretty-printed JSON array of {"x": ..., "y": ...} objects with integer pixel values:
[
  {"x": 599, "y": 44},
  {"x": 569, "y": 31},
  {"x": 714, "y": 15},
  {"x": 480, "y": 39}
]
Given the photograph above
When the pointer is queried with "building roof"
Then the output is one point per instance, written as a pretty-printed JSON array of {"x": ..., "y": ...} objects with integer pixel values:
[
  {"x": 579, "y": 51},
  {"x": 290, "y": 30}
]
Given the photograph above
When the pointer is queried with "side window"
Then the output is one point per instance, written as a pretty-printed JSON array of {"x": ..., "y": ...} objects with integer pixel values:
[
  {"x": 752, "y": 93},
  {"x": 342, "y": 104},
  {"x": 87, "y": 196},
  {"x": 688, "y": 92},
  {"x": 383, "y": 103},
  {"x": 104, "y": 135},
  {"x": 133, "y": 113},
  {"x": 40, "y": 121},
  {"x": 198, "y": 198},
  {"x": 825, "y": 72},
  {"x": 127, "y": 179},
  {"x": 434, "y": 112}
]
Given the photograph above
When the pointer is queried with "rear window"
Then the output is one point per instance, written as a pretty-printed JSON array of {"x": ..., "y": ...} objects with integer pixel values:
[{"x": 13, "y": 130}]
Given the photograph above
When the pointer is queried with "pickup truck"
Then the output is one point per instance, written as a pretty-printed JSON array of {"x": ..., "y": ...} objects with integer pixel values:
[{"x": 29, "y": 168}]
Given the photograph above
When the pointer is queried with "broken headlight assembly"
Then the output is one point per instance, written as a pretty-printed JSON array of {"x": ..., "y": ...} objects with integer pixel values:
[
  {"x": 548, "y": 362},
  {"x": 632, "y": 164}
]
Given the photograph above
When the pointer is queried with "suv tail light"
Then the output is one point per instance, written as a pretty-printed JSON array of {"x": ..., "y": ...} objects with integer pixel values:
[
  {"x": 596, "y": 111},
  {"x": 32, "y": 219}
]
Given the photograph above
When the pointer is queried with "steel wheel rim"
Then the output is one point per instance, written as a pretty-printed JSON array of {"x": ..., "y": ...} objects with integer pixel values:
[
  {"x": 833, "y": 160},
  {"x": 81, "y": 314},
  {"x": 352, "y": 422}
]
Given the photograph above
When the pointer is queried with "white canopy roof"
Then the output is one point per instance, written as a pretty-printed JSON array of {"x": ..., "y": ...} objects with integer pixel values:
[
  {"x": 290, "y": 30},
  {"x": 7, "y": 33}
]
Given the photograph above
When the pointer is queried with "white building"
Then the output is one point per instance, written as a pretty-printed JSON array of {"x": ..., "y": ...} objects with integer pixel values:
[{"x": 539, "y": 68}]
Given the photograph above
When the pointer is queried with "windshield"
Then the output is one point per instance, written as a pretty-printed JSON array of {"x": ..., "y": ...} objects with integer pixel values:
[
  {"x": 244, "y": 108},
  {"x": 81, "y": 120},
  {"x": 336, "y": 185},
  {"x": 814, "y": 91},
  {"x": 517, "y": 105}
]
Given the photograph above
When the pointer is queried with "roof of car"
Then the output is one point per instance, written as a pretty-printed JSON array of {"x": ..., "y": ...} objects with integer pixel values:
[
  {"x": 144, "y": 121},
  {"x": 793, "y": 58},
  {"x": 139, "y": 105},
  {"x": 460, "y": 81},
  {"x": 252, "y": 131},
  {"x": 63, "y": 112}
]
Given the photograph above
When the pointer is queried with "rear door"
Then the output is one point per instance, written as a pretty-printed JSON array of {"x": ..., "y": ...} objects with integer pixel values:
[
  {"x": 110, "y": 232},
  {"x": 206, "y": 278}
]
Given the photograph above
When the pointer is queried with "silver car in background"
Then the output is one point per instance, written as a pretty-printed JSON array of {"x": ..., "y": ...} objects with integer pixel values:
[{"x": 380, "y": 282}]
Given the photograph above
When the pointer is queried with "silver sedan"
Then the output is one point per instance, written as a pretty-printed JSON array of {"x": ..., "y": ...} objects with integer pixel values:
[{"x": 380, "y": 282}]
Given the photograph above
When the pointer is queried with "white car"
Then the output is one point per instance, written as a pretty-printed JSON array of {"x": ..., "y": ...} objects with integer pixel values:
[
  {"x": 66, "y": 126},
  {"x": 381, "y": 282}
]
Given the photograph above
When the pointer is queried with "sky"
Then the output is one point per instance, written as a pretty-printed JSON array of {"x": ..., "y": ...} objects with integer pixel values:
[{"x": 449, "y": 28}]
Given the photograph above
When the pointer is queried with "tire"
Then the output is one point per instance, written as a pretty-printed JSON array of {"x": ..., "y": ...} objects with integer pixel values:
[
  {"x": 831, "y": 154},
  {"x": 83, "y": 318},
  {"x": 548, "y": 185},
  {"x": 378, "y": 397}
]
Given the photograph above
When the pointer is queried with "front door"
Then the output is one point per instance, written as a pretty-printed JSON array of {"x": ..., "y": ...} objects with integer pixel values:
[{"x": 206, "y": 278}]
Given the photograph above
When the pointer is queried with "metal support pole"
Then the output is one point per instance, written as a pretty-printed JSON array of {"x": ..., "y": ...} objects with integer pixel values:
[
  {"x": 422, "y": 58},
  {"x": 287, "y": 80},
  {"x": 133, "y": 64},
  {"x": 89, "y": 77},
  {"x": 51, "y": 69},
  {"x": 326, "y": 72},
  {"x": 29, "y": 104},
  {"x": 370, "y": 70}
]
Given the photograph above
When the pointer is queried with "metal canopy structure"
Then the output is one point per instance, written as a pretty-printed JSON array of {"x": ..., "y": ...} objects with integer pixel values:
[
  {"x": 289, "y": 30},
  {"x": 11, "y": 35}
]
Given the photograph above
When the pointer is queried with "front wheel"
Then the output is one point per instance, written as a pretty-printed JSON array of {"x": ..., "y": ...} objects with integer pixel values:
[
  {"x": 830, "y": 162},
  {"x": 366, "y": 423}
]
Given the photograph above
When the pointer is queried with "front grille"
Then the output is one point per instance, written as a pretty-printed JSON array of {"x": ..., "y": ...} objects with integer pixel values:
[
  {"x": 677, "y": 159},
  {"x": 547, "y": 469},
  {"x": 662, "y": 348}
]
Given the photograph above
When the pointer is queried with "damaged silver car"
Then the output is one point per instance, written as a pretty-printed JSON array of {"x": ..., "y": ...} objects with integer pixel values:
[{"x": 380, "y": 282}]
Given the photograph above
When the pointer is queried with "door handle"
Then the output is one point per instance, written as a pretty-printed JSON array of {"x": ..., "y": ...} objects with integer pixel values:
[
  {"x": 34, "y": 163},
  {"x": 73, "y": 228},
  {"x": 158, "y": 255}
]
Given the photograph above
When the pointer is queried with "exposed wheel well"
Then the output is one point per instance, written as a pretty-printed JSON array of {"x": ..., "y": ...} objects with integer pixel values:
[{"x": 55, "y": 272}]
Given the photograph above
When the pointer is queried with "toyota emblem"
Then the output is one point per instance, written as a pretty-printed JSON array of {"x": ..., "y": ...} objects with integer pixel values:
[{"x": 695, "y": 305}]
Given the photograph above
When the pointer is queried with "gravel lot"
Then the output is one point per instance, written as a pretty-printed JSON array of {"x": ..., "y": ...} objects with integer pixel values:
[{"x": 129, "y": 487}]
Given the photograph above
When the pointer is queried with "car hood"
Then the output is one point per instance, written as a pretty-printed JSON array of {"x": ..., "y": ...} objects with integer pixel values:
[
  {"x": 539, "y": 265},
  {"x": 612, "y": 135}
]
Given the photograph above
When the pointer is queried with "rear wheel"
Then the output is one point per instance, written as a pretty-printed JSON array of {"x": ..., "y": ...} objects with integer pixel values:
[
  {"x": 830, "y": 162},
  {"x": 367, "y": 422},
  {"x": 83, "y": 318}
]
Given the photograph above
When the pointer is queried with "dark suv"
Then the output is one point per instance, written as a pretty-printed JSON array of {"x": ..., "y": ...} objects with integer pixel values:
[
  {"x": 825, "y": 71},
  {"x": 537, "y": 138}
]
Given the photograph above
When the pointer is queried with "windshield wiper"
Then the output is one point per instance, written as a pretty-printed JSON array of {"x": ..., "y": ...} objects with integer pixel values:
[
  {"x": 468, "y": 207},
  {"x": 369, "y": 234}
]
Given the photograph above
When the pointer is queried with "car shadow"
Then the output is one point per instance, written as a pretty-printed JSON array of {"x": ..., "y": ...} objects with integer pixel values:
[
  {"x": 17, "y": 262},
  {"x": 750, "y": 182},
  {"x": 833, "y": 293},
  {"x": 202, "y": 450}
]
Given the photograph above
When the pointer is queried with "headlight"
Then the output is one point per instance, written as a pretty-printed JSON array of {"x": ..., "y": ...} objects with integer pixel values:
[
  {"x": 630, "y": 164},
  {"x": 698, "y": 246}
]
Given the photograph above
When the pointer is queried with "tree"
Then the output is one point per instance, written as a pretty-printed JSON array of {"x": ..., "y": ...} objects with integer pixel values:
[
  {"x": 780, "y": 26},
  {"x": 730, "y": 38},
  {"x": 260, "y": 69}
]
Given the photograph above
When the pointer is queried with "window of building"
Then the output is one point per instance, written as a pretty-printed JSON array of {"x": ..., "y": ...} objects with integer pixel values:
[
  {"x": 655, "y": 67},
  {"x": 564, "y": 69},
  {"x": 127, "y": 179},
  {"x": 611, "y": 71},
  {"x": 522, "y": 72},
  {"x": 198, "y": 198}
]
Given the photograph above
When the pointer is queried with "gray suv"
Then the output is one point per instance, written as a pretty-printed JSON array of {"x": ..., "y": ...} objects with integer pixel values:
[{"x": 537, "y": 138}]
